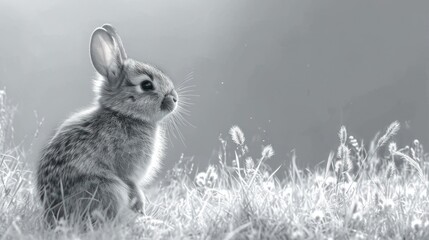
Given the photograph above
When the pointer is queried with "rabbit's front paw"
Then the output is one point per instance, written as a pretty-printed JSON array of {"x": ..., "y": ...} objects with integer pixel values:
[{"x": 137, "y": 205}]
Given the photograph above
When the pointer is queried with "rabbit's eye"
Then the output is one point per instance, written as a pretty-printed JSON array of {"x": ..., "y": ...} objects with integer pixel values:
[{"x": 147, "y": 85}]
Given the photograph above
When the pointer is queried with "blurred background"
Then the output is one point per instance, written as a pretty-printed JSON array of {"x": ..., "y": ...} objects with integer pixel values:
[{"x": 288, "y": 72}]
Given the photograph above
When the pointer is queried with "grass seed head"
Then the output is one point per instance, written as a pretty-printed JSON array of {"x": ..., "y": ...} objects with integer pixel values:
[
  {"x": 342, "y": 134},
  {"x": 237, "y": 135},
  {"x": 390, "y": 132},
  {"x": 267, "y": 152}
]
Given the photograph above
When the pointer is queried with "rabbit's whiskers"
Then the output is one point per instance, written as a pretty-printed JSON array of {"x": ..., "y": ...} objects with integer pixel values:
[{"x": 177, "y": 118}]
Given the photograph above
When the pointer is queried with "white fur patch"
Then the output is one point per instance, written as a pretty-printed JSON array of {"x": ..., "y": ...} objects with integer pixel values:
[{"x": 154, "y": 164}]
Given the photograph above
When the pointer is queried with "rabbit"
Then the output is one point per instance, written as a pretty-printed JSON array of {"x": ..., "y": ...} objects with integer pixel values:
[{"x": 99, "y": 158}]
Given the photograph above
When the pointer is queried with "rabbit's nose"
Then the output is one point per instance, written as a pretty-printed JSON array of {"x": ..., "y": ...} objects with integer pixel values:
[
  {"x": 174, "y": 95},
  {"x": 170, "y": 96}
]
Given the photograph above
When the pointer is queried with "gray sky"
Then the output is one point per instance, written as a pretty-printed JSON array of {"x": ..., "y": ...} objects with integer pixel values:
[{"x": 289, "y": 73}]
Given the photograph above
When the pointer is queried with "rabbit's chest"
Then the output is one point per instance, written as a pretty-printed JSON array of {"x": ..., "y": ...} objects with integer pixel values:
[{"x": 139, "y": 155}]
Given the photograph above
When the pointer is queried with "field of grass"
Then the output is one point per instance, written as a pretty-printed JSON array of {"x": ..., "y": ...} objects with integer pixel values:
[{"x": 378, "y": 191}]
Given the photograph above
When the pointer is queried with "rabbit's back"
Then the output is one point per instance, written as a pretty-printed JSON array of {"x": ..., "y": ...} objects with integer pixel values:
[{"x": 97, "y": 148}]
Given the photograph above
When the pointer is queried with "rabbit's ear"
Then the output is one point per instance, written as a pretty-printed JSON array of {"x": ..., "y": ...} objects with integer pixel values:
[
  {"x": 105, "y": 54},
  {"x": 112, "y": 31}
]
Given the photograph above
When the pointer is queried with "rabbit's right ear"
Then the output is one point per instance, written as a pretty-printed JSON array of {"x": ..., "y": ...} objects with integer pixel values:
[{"x": 105, "y": 54}]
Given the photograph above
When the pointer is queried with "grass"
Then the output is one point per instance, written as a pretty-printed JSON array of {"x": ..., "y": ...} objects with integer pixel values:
[{"x": 378, "y": 191}]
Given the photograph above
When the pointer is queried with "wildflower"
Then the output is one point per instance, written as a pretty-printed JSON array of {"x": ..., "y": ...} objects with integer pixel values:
[
  {"x": 416, "y": 224},
  {"x": 267, "y": 152},
  {"x": 237, "y": 135},
  {"x": 200, "y": 179},
  {"x": 318, "y": 215}
]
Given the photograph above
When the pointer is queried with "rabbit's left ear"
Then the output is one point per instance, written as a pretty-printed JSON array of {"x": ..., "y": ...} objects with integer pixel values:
[
  {"x": 105, "y": 54},
  {"x": 112, "y": 31}
]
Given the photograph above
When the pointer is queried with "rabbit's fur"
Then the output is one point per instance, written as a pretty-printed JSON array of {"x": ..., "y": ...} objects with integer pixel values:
[{"x": 99, "y": 158}]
